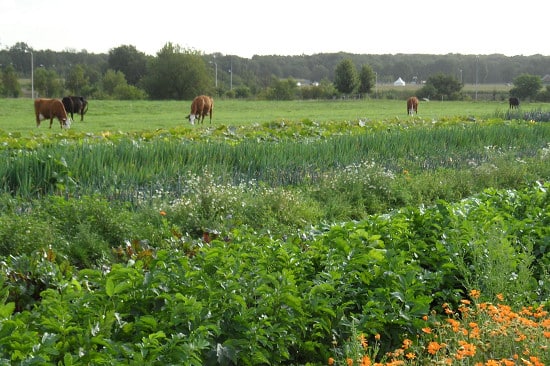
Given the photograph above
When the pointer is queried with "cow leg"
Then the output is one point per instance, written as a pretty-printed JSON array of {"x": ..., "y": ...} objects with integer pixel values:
[{"x": 51, "y": 121}]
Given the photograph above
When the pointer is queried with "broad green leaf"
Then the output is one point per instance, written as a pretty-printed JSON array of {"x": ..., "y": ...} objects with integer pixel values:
[
  {"x": 109, "y": 287},
  {"x": 6, "y": 309}
]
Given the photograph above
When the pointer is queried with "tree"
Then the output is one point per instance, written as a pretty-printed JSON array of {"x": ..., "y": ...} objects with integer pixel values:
[
  {"x": 367, "y": 79},
  {"x": 526, "y": 86},
  {"x": 283, "y": 89},
  {"x": 130, "y": 61},
  {"x": 345, "y": 77},
  {"x": 114, "y": 85},
  {"x": 47, "y": 83},
  {"x": 177, "y": 74},
  {"x": 441, "y": 86},
  {"x": 111, "y": 80},
  {"x": 10, "y": 82},
  {"x": 76, "y": 81}
]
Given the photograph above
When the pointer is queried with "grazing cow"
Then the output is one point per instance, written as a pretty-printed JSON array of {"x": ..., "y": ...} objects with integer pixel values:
[
  {"x": 412, "y": 105},
  {"x": 514, "y": 102},
  {"x": 51, "y": 108},
  {"x": 77, "y": 105},
  {"x": 200, "y": 107}
]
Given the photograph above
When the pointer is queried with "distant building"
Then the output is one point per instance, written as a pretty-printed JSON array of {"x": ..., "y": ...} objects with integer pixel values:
[
  {"x": 399, "y": 82},
  {"x": 546, "y": 79}
]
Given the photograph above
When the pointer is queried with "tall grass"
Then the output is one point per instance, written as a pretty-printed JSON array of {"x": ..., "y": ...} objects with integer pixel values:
[{"x": 86, "y": 166}]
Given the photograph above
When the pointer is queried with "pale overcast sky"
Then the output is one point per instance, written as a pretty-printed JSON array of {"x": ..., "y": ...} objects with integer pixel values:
[{"x": 283, "y": 27}]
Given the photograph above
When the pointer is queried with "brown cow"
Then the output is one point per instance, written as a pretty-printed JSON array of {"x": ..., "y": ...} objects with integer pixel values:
[
  {"x": 51, "y": 108},
  {"x": 200, "y": 107},
  {"x": 412, "y": 105}
]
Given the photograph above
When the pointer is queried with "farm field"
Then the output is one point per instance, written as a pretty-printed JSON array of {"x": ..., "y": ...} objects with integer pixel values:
[
  {"x": 287, "y": 233},
  {"x": 17, "y": 115}
]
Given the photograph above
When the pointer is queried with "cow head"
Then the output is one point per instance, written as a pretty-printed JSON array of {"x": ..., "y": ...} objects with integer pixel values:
[
  {"x": 66, "y": 123},
  {"x": 192, "y": 118}
]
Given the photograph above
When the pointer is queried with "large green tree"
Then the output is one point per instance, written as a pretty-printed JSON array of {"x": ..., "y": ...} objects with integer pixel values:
[
  {"x": 441, "y": 86},
  {"x": 346, "y": 79},
  {"x": 129, "y": 61},
  {"x": 526, "y": 86},
  {"x": 367, "y": 79},
  {"x": 177, "y": 74}
]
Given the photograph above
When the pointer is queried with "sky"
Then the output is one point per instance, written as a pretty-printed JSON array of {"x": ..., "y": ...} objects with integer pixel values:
[{"x": 283, "y": 27}]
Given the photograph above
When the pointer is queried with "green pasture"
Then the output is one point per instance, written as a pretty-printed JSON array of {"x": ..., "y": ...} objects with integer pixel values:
[{"x": 17, "y": 115}]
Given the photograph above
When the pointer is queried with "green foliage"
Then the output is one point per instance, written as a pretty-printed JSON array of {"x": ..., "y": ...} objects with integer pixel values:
[
  {"x": 47, "y": 83},
  {"x": 176, "y": 74},
  {"x": 128, "y": 60},
  {"x": 441, "y": 87},
  {"x": 10, "y": 84},
  {"x": 282, "y": 89},
  {"x": 367, "y": 79},
  {"x": 77, "y": 82},
  {"x": 251, "y": 298},
  {"x": 346, "y": 79},
  {"x": 526, "y": 86},
  {"x": 262, "y": 243}
]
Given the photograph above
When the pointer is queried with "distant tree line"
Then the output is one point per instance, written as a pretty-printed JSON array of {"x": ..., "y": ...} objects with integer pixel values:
[{"x": 179, "y": 73}]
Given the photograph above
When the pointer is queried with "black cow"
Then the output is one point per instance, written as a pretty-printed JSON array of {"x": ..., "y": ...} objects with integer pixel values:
[
  {"x": 514, "y": 102},
  {"x": 77, "y": 105}
]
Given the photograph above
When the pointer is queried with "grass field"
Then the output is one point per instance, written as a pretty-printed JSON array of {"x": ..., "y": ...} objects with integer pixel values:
[{"x": 17, "y": 115}]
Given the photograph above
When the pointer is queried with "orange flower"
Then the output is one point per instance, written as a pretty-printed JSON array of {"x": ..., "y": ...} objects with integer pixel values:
[
  {"x": 427, "y": 330},
  {"x": 366, "y": 361},
  {"x": 162, "y": 213},
  {"x": 466, "y": 350},
  {"x": 506, "y": 362},
  {"x": 500, "y": 297},
  {"x": 454, "y": 323},
  {"x": 349, "y": 361},
  {"x": 410, "y": 356},
  {"x": 407, "y": 343},
  {"x": 377, "y": 336},
  {"x": 363, "y": 341},
  {"x": 492, "y": 363},
  {"x": 433, "y": 347},
  {"x": 475, "y": 294},
  {"x": 330, "y": 361}
]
